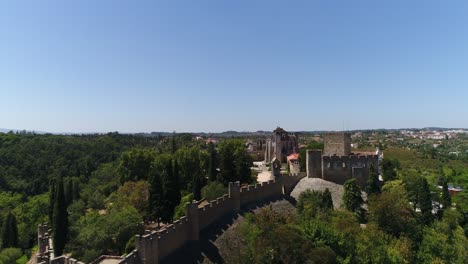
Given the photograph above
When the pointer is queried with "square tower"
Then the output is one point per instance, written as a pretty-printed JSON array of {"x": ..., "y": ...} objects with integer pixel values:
[{"x": 338, "y": 144}]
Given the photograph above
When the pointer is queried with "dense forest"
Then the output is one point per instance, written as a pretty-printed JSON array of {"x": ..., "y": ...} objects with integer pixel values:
[{"x": 98, "y": 191}]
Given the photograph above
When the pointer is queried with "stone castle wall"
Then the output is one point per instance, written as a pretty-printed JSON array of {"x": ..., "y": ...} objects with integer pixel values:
[
  {"x": 339, "y": 169},
  {"x": 208, "y": 214},
  {"x": 154, "y": 246},
  {"x": 260, "y": 191},
  {"x": 157, "y": 245}
]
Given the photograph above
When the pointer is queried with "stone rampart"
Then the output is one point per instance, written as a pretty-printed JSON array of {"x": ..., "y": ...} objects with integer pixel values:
[
  {"x": 157, "y": 245},
  {"x": 339, "y": 169},
  {"x": 154, "y": 246},
  {"x": 259, "y": 192},
  {"x": 216, "y": 209}
]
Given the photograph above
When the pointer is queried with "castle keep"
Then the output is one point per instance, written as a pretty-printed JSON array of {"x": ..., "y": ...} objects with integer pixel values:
[{"x": 337, "y": 163}]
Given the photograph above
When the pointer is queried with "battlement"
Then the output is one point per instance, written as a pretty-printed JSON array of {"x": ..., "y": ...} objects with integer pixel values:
[
  {"x": 256, "y": 186},
  {"x": 154, "y": 246}
]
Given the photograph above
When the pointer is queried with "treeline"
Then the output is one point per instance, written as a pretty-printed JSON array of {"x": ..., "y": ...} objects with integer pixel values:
[
  {"x": 97, "y": 190},
  {"x": 396, "y": 224},
  {"x": 29, "y": 161}
]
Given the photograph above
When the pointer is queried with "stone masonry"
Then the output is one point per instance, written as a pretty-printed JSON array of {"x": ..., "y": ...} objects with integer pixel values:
[{"x": 337, "y": 163}]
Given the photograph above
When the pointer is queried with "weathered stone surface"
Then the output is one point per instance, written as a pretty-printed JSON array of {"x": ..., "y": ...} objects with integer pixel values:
[{"x": 318, "y": 184}]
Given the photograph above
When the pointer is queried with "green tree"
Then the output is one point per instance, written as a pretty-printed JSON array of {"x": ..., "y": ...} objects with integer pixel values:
[
  {"x": 196, "y": 187},
  {"x": 135, "y": 165},
  {"x": 228, "y": 167},
  {"x": 269, "y": 237},
  {"x": 190, "y": 166},
  {"x": 69, "y": 191},
  {"x": 213, "y": 164},
  {"x": 235, "y": 162},
  {"x": 133, "y": 194},
  {"x": 446, "y": 199},
  {"x": 171, "y": 191},
  {"x": 311, "y": 202},
  {"x": 10, "y": 255},
  {"x": 105, "y": 234},
  {"x": 352, "y": 198},
  {"x": 425, "y": 202},
  {"x": 391, "y": 211},
  {"x": 444, "y": 241},
  {"x": 373, "y": 184},
  {"x": 9, "y": 232},
  {"x": 52, "y": 194},
  {"x": 60, "y": 220},
  {"x": 327, "y": 200},
  {"x": 213, "y": 190},
  {"x": 243, "y": 162},
  {"x": 389, "y": 168},
  {"x": 156, "y": 195}
]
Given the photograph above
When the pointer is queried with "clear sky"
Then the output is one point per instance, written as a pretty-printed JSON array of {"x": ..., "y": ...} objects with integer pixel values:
[{"x": 198, "y": 65}]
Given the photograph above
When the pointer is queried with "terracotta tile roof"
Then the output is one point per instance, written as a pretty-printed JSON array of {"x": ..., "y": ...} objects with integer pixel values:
[{"x": 293, "y": 156}]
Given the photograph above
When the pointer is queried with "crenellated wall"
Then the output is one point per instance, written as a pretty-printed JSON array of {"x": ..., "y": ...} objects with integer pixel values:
[
  {"x": 260, "y": 191},
  {"x": 339, "y": 169},
  {"x": 211, "y": 212},
  {"x": 154, "y": 246},
  {"x": 157, "y": 245}
]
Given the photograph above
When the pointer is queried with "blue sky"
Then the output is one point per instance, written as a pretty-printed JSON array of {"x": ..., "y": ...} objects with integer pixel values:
[{"x": 142, "y": 66}]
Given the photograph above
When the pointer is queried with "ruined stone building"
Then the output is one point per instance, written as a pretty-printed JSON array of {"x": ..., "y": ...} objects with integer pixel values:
[
  {"x": 337, "y": 163},
  {"x": 280, "y": 145}
]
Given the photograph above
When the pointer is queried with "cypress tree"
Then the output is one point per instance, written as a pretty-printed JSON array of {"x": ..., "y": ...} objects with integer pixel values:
[
  {"x": 196, "y": 186},
  {"x": 212, "y": 165},
  {"x": 9, "y": 232},
  {"x": 69, "y": 191},
  {"x": 51, "y": 202},
  {"x": 171, "y": 191},
  {"x": 373, "y": 186},
  {"x": 352, "y": 198},
  {"x": 425, "y": 202},
  {"x": 60, "y": 220},
  {"x": 177, "y": 195},
  {"x": 155, "y": 203},
  {"x": 446, "y": 199}
]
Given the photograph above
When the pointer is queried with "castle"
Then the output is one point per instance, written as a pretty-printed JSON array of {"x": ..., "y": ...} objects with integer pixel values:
[
  {"x": 337, "y": 163},
  {"x": 280, "y": 146}
]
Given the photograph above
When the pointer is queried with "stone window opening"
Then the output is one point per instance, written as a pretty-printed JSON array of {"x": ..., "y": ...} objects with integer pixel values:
[{"x": 344, "y": 164}]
